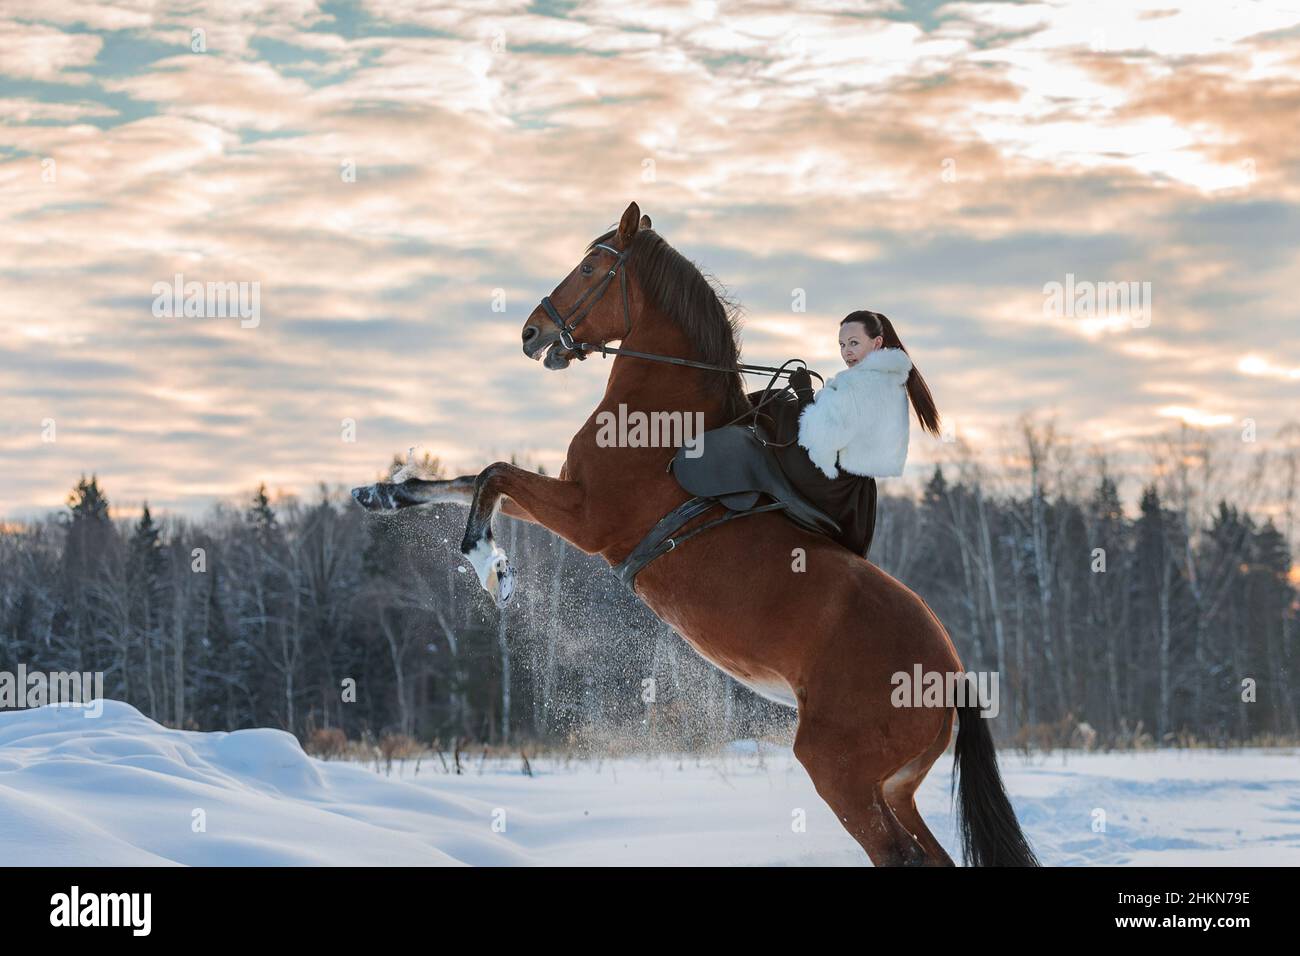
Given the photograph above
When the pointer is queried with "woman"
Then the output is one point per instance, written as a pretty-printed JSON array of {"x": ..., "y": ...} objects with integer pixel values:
[{"x": 856, "y": 429}]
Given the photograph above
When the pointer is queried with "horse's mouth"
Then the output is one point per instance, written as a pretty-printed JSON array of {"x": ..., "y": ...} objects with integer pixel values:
[
  {"x": 549, "y": 349},
  {"x": 557, "y": 356}
]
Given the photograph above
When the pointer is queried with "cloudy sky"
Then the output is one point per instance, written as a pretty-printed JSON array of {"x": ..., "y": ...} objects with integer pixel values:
[{"x": 387, "y": 170}]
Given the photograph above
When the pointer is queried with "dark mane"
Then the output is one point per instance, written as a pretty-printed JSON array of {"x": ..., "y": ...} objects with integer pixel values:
[{"x": 701, "y": 309}]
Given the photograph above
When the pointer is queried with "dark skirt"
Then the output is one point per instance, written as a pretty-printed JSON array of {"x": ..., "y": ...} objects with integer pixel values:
[{"x": 849, "y": 499}]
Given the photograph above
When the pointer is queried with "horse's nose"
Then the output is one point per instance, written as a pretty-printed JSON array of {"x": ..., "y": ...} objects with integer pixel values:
[{"x": 531, "y": 333}]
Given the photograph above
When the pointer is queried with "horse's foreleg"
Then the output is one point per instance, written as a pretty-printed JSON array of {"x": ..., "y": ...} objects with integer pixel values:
[
  {"x": 555, "y": 503},
  {"x": 393, "y": 496}
]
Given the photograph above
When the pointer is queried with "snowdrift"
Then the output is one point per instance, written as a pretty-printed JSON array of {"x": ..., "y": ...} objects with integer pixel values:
[{"x": 120, "y": 790}]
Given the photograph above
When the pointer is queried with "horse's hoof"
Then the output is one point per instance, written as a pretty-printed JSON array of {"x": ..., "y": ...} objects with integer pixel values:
[
  {"x": 501, "y": 582},
  {"x": 494, "y": 571}
]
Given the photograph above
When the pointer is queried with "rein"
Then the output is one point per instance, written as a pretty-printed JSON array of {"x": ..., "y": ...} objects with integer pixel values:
[{"x": 582, "y": 348}]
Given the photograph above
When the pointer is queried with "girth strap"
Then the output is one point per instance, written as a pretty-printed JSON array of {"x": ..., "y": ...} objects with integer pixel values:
[{"x": 660, "y": 540}]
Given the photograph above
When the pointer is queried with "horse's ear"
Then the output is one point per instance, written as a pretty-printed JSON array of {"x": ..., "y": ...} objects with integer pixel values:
[
  {"x": 628, "y": 225},
  {"x": 645, "y": 223}
]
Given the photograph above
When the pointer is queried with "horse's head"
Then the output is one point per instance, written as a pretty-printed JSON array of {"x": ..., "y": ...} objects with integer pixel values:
[{"x": 590, "y": 304}]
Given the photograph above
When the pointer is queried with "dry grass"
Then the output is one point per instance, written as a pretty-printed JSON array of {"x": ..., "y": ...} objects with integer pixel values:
[
  {"x": 1072, "y": 734},
  {"x": 461, "y": 755}
]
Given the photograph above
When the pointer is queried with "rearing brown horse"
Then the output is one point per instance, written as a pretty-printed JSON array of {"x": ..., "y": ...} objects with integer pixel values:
[{"x": 787, "y": 612}]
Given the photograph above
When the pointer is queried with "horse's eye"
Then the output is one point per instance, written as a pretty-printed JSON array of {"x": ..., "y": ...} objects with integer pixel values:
[{"x": 586, "y": 270}]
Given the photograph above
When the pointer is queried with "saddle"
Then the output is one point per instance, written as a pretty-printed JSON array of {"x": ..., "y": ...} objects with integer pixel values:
[{"x": 736, "y": 468}]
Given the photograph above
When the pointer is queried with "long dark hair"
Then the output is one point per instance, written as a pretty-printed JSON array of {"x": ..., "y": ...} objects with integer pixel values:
[{"x": 917, "y": 390}]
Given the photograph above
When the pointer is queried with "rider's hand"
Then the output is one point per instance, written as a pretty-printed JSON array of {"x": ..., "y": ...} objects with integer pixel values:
[{"x": 801, "y": 382}]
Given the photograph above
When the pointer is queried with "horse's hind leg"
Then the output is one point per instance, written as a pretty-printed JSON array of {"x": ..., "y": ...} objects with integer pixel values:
[
  {"x": 851, "y": 781},
  {"x": 900, "y": 794}
]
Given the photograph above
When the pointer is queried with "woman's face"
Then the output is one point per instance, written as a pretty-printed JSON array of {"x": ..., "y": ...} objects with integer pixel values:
[{"x": 854, "y": 344}]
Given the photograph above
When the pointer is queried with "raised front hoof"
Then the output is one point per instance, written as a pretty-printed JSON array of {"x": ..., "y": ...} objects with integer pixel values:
[
  {"x": 494, "y": 572},
  {"x": 380, "y": 497}
]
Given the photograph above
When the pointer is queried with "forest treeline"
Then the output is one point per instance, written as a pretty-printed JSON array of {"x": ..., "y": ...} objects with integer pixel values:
[{"x": 1160, "y": 626}]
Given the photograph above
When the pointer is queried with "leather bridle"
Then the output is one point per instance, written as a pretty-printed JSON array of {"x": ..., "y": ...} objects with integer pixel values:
[
  {"x": 567, "y": 323},
  {"x": 562, "y": 321}
]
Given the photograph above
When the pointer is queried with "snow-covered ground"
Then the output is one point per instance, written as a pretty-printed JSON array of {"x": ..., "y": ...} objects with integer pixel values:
[{"x": 121, "y": 790}]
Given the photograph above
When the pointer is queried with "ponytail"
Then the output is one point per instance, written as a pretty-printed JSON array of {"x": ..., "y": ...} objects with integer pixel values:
[{"x": 919, "y": 393}]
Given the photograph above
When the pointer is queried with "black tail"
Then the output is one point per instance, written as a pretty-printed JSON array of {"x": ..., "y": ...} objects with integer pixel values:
[{"x": 990, "y": 835}]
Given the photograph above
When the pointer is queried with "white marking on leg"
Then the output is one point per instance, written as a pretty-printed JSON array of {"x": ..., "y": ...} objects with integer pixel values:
[{"x": 493, "y": 569}]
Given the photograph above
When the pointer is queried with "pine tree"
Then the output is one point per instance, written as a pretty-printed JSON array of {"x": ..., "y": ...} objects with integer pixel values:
[
  {"x": 262, "y": 517},
  {"x": 1151, "y": 619},
  {"x": 1268, "y": 616},
  {"x": 87, "y": 500},
  {"x": 90, "y": 552},
  {"x": 89, "y": 530},
  {"x": 145, "y": 557},
  {"x": 1109, "y": 565},
  {"x": 145, "y": 584}
]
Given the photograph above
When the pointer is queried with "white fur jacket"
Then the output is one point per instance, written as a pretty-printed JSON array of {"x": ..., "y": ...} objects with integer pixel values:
[{"x": 860, "y": 418}]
